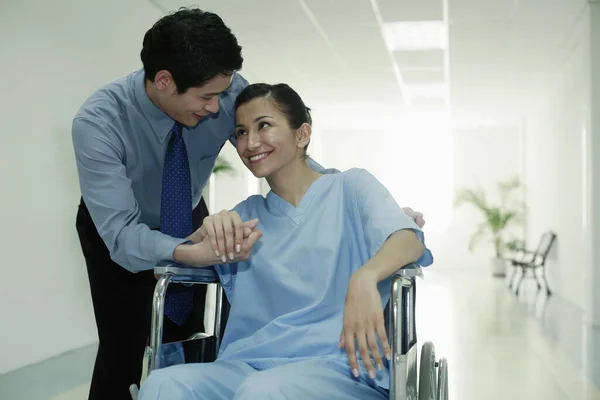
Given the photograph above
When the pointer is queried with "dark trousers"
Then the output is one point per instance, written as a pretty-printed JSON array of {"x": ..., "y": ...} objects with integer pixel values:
[{"x": 122, "y": 306}]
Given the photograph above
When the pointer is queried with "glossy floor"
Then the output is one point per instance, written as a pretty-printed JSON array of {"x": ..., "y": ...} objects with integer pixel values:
[{"x": 498, "y": 346}]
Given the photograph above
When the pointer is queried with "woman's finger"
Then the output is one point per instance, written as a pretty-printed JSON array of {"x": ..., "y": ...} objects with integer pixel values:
[
  {"x": 342, "y": 343},
  {"x": 385, "y": 343},
  {"x": 361, "y": 338},
  {"x": 208, "y": 224},
  {"x": 351, "y": 351},
  {"x": 220, "y": 237},
  {"x": 374, "y": 347},
  {"x": 228, "y": 234},
  {"x": 238, "y": 227}
]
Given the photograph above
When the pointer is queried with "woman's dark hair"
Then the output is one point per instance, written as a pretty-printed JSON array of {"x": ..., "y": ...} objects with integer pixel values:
[
  {"x": 193, "y": 45},
  {"x": 286, "y": 99}
]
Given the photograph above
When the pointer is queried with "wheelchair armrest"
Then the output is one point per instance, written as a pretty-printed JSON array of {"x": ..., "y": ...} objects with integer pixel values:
[
  {"x": 185, "y": 274},
  {"x": 411, "y": 270},
  {"x": 403, "y": 333}
]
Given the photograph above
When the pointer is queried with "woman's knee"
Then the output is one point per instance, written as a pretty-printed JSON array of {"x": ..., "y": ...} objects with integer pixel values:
[{"x": 260, "y": 386}]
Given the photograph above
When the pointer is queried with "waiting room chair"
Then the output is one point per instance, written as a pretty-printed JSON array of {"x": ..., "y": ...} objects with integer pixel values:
[{"x": 534, "y": 261}]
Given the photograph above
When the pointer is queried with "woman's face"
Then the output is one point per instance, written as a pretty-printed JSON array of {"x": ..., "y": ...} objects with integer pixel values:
[{"x": 265, "y": 140}]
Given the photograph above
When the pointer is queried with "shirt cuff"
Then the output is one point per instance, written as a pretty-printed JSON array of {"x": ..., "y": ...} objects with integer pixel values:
[{"x": 166, "y": 247}]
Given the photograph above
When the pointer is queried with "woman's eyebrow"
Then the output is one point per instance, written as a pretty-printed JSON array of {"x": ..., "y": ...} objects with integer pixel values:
[{"x": 255, "y": 120}]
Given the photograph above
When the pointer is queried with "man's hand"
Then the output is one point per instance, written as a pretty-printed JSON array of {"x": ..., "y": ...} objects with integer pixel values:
[
  {"x": 363, "y": 323},
  {"x": 415, "y": 215}
]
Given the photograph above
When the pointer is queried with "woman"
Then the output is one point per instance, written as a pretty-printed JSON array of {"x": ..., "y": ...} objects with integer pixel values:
[{"x": 309, "y": 274}]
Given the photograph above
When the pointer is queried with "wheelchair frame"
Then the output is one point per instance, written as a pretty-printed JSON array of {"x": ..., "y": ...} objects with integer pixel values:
[{"x": 409, "y": 380}]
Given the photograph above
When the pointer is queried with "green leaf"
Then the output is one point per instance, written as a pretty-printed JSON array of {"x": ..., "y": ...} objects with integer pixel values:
[
  {"x": 496, "y": 218},
  {"x": 222, "y": 166}
]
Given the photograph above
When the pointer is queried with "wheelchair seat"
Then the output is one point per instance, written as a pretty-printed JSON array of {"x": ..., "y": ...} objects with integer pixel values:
[{"x": 409, "y": 379}]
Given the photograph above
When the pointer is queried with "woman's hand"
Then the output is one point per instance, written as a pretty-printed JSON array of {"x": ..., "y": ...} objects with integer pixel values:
[
  {"x": 201, "y": 253},
  {"x": 364, "y": 322},
  {"x": 225, "y": 232}
]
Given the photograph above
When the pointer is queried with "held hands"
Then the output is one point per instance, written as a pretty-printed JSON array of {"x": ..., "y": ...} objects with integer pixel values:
[
  {"x": 228, "y": 237},
  {"x": 363, "y": 323}
]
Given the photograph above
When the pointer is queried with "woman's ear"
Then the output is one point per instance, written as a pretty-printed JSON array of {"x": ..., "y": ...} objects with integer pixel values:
[{"x": 303, "y": 135}]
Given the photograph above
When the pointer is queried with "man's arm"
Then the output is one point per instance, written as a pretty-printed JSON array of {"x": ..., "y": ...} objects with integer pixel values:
[{"x": 109, "y": 197}]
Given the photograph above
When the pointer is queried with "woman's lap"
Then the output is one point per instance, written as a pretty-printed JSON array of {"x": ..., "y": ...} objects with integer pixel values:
[{"x": 311, "y": 379}]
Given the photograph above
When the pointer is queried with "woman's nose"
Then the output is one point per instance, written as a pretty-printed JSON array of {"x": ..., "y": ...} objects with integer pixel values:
[{"x": 253, "y": 140}]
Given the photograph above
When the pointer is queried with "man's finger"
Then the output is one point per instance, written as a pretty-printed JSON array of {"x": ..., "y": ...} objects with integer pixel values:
[
  {"x": 251, "y": 240},
  {"x": 202, "y": 233},
  {"x": 252, "y": 224}
]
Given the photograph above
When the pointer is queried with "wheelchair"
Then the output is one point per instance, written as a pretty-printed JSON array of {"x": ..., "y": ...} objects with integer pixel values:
[{"x": 409, "y": 379}]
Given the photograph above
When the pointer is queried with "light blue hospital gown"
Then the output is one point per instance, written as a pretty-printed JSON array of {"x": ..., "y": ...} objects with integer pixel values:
[{"x": 287, "y": 301}]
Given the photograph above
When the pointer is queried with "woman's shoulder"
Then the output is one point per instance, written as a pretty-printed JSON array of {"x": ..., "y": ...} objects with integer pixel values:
[
  {"x": 252, "y": 203},
  {"x": 355, "y": 177}
]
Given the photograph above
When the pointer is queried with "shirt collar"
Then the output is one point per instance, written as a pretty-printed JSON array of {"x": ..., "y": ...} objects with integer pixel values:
[{"x": 160, "y": 122}]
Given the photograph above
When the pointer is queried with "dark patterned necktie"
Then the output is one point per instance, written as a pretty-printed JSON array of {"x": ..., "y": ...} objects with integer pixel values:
[{"x": 176, "y": 216}]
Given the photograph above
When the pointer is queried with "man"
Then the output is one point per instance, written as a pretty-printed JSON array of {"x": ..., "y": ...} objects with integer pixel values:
[{"x": 145, "y": 147}]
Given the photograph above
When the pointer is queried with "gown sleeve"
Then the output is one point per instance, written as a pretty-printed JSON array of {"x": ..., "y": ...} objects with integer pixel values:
[{"x": 381, "y": 215}]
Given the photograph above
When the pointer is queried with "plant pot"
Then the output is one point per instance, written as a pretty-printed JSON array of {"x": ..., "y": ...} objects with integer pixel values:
[{"x": 498, "y": 267}]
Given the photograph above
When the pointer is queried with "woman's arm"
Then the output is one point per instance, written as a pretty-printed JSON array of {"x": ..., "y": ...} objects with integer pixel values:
[
  {"x": 392, "y": 239},
  {"x": 402, "y": 248}
]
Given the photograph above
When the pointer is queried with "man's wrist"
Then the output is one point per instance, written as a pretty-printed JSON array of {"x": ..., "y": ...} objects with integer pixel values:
[{"x": 193, "y": 254}]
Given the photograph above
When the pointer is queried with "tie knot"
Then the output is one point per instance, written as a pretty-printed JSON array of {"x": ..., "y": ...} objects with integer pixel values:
[{"x": 177, "y": 128}]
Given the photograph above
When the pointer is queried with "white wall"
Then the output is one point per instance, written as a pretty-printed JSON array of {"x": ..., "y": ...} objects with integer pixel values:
[
  {"x": 423, "y": 168},
  {"x": 482, "y": 157},
  {"x": 555, "y": 176},
  {"x": 54, "y": 55}
]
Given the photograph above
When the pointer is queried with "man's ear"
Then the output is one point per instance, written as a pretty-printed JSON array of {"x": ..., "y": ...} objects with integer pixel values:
[
  {"x": 303, "y": 135},
  {"x": 164, "y": 81}
]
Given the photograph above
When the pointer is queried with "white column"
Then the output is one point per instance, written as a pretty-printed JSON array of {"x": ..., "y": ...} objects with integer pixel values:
[{"x": 593, "y": 153}]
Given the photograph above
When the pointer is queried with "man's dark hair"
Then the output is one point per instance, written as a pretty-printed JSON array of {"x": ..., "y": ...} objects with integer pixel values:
[
  {"x": 286, "y": 99},
  {"x": 193, "y": 45}
]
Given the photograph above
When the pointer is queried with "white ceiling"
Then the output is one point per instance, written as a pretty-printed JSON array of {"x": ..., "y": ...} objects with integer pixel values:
[{"x": 502, "y": 53}]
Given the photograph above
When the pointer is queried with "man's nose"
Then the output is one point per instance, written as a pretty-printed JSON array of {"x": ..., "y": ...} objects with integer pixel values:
[{"x": 213, "y": 105}]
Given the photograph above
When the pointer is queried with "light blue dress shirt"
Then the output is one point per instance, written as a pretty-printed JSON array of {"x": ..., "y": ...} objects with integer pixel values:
[
  {"x": 120, "y": 139},
  {"x": 287, "y": 300}
]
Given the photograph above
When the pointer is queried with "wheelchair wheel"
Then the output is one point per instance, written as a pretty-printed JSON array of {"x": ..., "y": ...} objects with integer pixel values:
[
  {"x": 442, "y": 389},
  {"x": 427, "y": 373}
]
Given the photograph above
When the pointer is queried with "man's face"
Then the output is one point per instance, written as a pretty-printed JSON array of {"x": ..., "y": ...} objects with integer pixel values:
[{"x": 196, "y": 103}]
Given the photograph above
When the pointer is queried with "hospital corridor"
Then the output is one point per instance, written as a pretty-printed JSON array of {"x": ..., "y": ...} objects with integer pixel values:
[{"x": 300, "y": 199}]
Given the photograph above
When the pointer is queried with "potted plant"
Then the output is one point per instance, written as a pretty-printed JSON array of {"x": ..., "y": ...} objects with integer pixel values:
[
  {"x": 222, "y": 165},
  {"x": 497, "y": 219}
]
